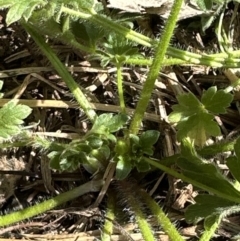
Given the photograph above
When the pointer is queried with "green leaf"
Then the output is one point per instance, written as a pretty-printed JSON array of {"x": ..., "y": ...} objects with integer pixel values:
[
  {"x": 93, "y": 165},
  {"x": 94, "y": 141},
  {"x": 188, "y": 105},
  {"x": 198, "y": 127},
  {"x": 79, "y": 146},
  {"x": 204, "y": 5},
  {"x": 102, "y": 154},
  {"x": 23, "y": 8},
  {"x": 99, "y": 125},
  {"x": 86, "y": 32},
  {"x": 11, "y": 116},
  {"x": 123, "y": 167},
  {"x": 142, "y": 165},
  {"x": 108, "y": 123},
  {"x": 205, "y": 206},
  {"x": 134, "y": 143},
  {"x": 111, "y": 137},
  {"x": 69, "y": 164},
  {"x": 59, "y": 147},
  {"x": 192, "y": 117},
  {"x": 6, "y": 3},
  {"x": 211, "y": 220},
  {"x": 208, "y": 175},
  {"x": 54, "y": 157},
  {"x": 205, "y": 173},
  {"x": 148, "y": 151},
  {"x": 149, "y": 138},
  {"x": 117, "y": 49},
  {"x": 105, "y": 152},
  {"x": 216, "y": 101},
  {"x": 117, "y": 122}
]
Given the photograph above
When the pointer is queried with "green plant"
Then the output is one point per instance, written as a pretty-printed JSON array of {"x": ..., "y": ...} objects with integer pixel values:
[
  {"x": 11, "y": 117},
  {"x": 82, "y": 25},
  {"x": 195, "y": 119}
]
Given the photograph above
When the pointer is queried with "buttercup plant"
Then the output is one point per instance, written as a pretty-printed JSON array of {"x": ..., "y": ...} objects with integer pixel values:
[{"x": 111, "y": 140}]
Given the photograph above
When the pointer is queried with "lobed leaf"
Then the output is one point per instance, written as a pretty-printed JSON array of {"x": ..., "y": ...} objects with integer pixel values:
[
  {"x": 188, "y": 105},
  {"x": 198, "y": 127},
  {"x": 216, "y": 101},
  {"x": 117, "y": 122},
  {"x": 23, "y": 8},
  {"x": 11, "y": 116},
  {"x": 193, "y": 118},
  {"x": 99, "y": 125}
]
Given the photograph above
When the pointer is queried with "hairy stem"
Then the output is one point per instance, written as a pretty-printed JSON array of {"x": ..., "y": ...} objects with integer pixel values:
[
  {"x": 155, "y": 67},
  {"x": 162, "y": 218},
  {"x": 215, "y": 60},
  {"x": 120, "y": 88},
  {"x": 108, "y": 223},
  {"x": 62, "y": 71},
  {"x": 148, "y": 62},
  {"x": 128, "y": 191},
  {"x": 92, "y": 186}
]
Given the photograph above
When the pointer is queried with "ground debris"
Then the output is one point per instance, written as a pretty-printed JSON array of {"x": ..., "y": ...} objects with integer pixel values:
[{"x": 8, "y": 181}]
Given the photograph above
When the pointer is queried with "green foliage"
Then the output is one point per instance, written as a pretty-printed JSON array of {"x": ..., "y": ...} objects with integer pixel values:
[
  {"x": 100, "y": 145},
  {"x": 11, "y": 117},
  {"x": 87, "y": 33},
  {"x": 124, "y": 166},
  {"x": 106, "y": 124},
  {"x": 21, "y": 9},
  {"x": 195, "y": 119},
  {"x": 93, "y": 150},
  {"x": 206, "y": 206},
  {"x": 204, "y": 4},
  {"x": 80, "y": 24},
  {"x": 205, "y": 172},
  {"x": 216, "y": 101},
  {"x": 116, "y": 49},
  {"x": 210, "y": 5},
  {"x": 131, "y": 153},
  {"x": 211, "y": 208}
]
